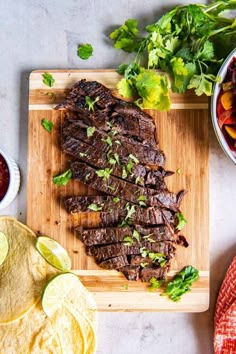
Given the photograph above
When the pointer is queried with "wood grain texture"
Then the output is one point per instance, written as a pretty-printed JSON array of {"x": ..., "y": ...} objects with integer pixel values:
[{"x": 183, "y": 135}]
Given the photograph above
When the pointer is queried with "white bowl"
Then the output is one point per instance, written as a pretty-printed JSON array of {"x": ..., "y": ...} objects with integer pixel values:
[
  {"x": 216, "y": 91},
  {"x": 14, "y": 182}
]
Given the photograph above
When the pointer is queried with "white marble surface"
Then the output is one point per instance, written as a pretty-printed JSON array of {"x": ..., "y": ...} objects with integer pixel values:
[{"x": 43, "y": 34}]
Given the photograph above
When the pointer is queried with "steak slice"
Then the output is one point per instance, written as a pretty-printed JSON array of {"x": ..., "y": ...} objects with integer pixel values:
[
  {"x": 117, "y": 249},
  {"x": 130, "y": 272},
  {"x": 121, "y": 188},
  {"x": 114, "y": 263},
  {"x": 103, "y": 235},
  {"x": 93, "y": 89},
  {"x": 137, "y": 124},
  {"x": 146, "y": 155},
  {"x": 89, "y": 154},
  {"x": 159, "y": 273},
  {"x": 109, "y": 235},
  {"x": 113, "y": 211}
]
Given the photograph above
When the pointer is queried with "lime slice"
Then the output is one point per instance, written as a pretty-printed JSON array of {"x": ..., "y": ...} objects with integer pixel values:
[
  {"x": 56, "y": 291},
  {"x": 54, "y": 253},
  {"x": 3, "y": 247}
]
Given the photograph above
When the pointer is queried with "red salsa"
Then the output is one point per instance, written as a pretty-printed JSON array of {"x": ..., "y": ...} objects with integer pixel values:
[
  {"x": 4, "y": 177},
  {"x": 226, "y": 106}
]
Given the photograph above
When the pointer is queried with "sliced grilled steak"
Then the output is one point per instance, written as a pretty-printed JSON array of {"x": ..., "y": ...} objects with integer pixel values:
[
  {"x": 121, "y": 188},
  {"x": 112, "y": 211},
  {"x": 130, "y": 272},
  {"x": 136, "y": 123},
  {"x": 114, "y": 263},
  {"x": 118, "y": 249},
  {"x": 93, "y": 89},
  {"x": 99, "y": 236},
  {"x": 159, "y": 273},
  {"x": 92, "y": 237},
  {"x": 123, "y": 146},
  {"x": 140, "y": 174}
]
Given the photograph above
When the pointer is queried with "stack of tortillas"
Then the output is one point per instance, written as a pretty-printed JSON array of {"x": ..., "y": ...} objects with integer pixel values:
[
  {"x": 225, "y": 315},
  {"x": 24, "y": 327}
]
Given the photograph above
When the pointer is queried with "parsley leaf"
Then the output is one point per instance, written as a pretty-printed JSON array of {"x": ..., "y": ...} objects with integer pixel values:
[
  {"x": 181, "y": 221},
  {"x": 47, "y": 124},
  {"x": 94, "y": 207},
  {"x": 85, "y": 51},
  {"x": 90, "y": 131},
  {"x": 48, "y": 79},
  {"x": 62, "y": 179}
]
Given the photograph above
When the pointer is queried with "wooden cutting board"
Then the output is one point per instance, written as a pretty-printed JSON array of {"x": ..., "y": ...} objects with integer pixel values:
[{"x": 183, "y": 135}]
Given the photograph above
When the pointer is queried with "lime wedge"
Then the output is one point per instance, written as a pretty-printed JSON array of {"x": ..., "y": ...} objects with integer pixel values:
[
  {"x": 3, "y": 247},
  {"x": 54, "y": 253},
  {"x": 56, "y": 291}
]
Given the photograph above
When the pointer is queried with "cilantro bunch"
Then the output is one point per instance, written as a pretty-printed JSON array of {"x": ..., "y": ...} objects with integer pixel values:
[{"x": 188, "y": 43}]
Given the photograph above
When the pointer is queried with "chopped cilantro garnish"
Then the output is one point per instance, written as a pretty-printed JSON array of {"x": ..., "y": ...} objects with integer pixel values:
[
  {"x": 48, "y": 79},
  {"x": 90, "y": 131},
  {"x": 181, "y": 221},
  {"x": 128, "y": 241},
  {"x": 62, "y": 179},
  {"x": 94, "y": 207},
  {"x": 85, "y": 51},
  {"x": 90, "y": 102},
  {"x": 104, "y": 173},
  {"x": 47, "y": 124},
  {"x": 116, "y": 199}
]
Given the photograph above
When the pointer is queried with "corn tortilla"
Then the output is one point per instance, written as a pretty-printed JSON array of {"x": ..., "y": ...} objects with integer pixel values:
[{"x": 24, "y": 327}]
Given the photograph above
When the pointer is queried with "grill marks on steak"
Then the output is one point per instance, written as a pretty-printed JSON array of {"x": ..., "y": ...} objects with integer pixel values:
[
  {"x": 122, "y": 188},
  {"x": 121, "y": 129},
  {"x": 88, "y": 154},
  {"x": 113, "y": 211},
  {"x": 76, "y": 127},
  {"x": 118, "y": 249},
  {"x": 100, "y": 236},
  {"x": 127, "y": 119}
]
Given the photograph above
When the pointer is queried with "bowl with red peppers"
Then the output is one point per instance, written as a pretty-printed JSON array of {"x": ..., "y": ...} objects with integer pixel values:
[
  {"x": 9, "y": 180},
  {"x": 223, "y": 106}
]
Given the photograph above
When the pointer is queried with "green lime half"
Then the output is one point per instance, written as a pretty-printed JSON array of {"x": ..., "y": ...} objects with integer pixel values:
[
  {"x": 57, "y": 290},
  {"x": 3, "y": 247},
  {"x": 54, "y": 253}
]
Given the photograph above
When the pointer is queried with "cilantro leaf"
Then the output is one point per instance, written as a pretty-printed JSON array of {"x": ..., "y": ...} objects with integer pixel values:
[
  {"x": 128, "y": 241},
  {"x": 125, "y": 89},
  {"x": 130, "y": 211},
  {"x": 155, "y": 284},
  {"x": 182, "y": 74},
  {"x": 62, "y": 179},
  {"x": 181, "y": 283},
  {"x": 125, "y": 37},
  {"x": 94, "y": 207},
  {"x": 116, "y": 199},
  {"x": 47, "y": 124},
  {"x": 181, "y": 221},
  {"x": 48, "y": 79},
  {"x": 153, "y": 89},
  {"x": 206, "y": 52},
  {"x": 90, "y": 131},
  {"x": 90, "y": 102},
  {"x": 85, "y": 51},
  {"x": 136, "y": 235},
  {"x": 104, "y": 173}
]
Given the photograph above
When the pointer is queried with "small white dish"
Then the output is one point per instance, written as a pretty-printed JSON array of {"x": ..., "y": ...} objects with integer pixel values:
[
  {"x": 220, "y": 136},
  {"x": 14, "y": 181}
]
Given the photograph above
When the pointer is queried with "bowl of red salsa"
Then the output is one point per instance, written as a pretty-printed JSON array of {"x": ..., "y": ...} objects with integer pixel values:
[
  {"x": 9, "y": 180},
  {"x": 223, "y": 107}
]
